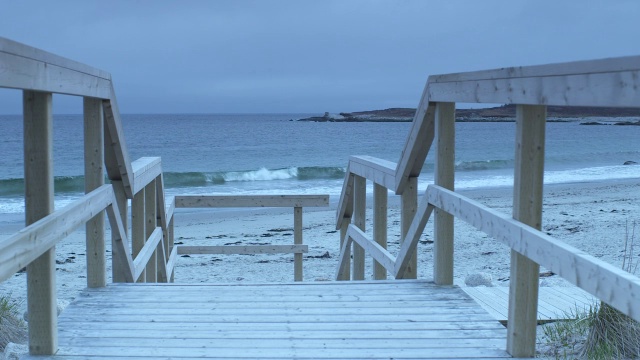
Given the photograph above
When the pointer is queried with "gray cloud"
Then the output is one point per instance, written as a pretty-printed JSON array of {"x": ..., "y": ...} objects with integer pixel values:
[{"x": 306, "y": 56}]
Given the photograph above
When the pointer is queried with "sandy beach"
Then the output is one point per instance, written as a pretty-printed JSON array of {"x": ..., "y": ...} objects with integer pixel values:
[{"x": 590, "y": 216}]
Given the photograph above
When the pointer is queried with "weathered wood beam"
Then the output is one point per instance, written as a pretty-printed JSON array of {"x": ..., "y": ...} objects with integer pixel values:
[
  {"x": 93, "y": 179},
  {"x": 27, "y": 68},
  {"x": 222, "y": 201},
  {"x": 606, "y": 82},
  {"x": 527, "y": 208},
  {"x": 609, "y": 283},
  {"x": 380, "y": 254},
  {"x": 144, "y": 255},
  {"x": 380, "y": 201},
  {"x": 444, "y": 176},
  {"x": 376, "y": 170},
  {"x": 417, "y": 145},
  {"x": 409, "y": 206},
  {"x": 359, "y": 217},
  {"x": 39, "y": 203},
  {"x": 242, "y": 249},
  {"x": 410, "y": 241},
  {"x": 345, "y": 204},
  {"x": 145, "y": 170}
]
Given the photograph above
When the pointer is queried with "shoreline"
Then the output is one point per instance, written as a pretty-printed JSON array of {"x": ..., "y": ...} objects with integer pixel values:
[{"x": 589, "y": 216}]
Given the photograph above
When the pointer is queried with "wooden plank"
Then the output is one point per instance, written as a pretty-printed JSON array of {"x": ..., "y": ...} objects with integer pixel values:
[
  {"x": 376, "y": 170},
  {"x": 418, "y": 143},
  {"x": 150, "y": 227},
  {"x": 121, "y": 200},
  {"x": 120, "y": 313},
  {"x": 527, "y": 208},
  {"x": 122, "y": 263},
  {"x": 170, "y": 208},
  {"x": 380, "y": 254},
  {"x": 343, "y": 271},
  {"x": 138, "y": 231},
  {"x": 409, "y": 203},
  {"x": 243, "y": 249},
  {"x": 444, "y": 176},
  {"x": 93, "y": 179},
  {"x": 609, "y": 65},
  {"x": 116, "y": 154},
  {"x": 143, "y": 256},
  {"x": 555, "y": 303},
  {"x": 19, "y": 72},
  {"x": 345, "y": 204},
  {"x": 39, "y": 204},
  {"x": 359, "y": 217},
  {"x": 410, "y": 242},
  {"x": 34, "y": 240},
  {"x": 145, "y": 170},
  {"x": 280, "y": 326},
  {"x": 289, "y": 352},
  {"x": 458, "y": 327},
  {"x": 220, "y": 201},
  {"x": 614, "y": 89},
  {"x": 297, "y": 240},
  {"x": 171, "y": 263},
  {"x": 313, "y": 334},
  {"x": 605, "y": 281},
  {"x": 380, "y": 200},
  {"x": 25, "y": 51}
]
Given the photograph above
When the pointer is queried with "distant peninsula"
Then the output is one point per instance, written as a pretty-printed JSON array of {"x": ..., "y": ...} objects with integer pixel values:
[{"x": 494, "y": 114}]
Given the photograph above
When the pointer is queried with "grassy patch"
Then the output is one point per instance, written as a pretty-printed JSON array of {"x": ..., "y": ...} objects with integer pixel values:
[{"x": 12, "y": 327}]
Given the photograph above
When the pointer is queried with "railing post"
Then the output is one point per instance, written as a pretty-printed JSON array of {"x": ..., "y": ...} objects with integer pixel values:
[
  {"x": 359, "y": 215},
  {"x": 93, "y": 179},
  {"x": 39, "y": 202},
  {"x": 138, "y": 222},
  {"x": 527, "y": 208},
  {"x": 170, "y": 236},
  {"x": 444, "y": 176},
  {"x": 121, "y": 198},
  {"x": 151, "y": 223},
  {"x": 380, "y": 197},
  {"x": 343, "y": 233},
  {"x": 409, "y": 199},
  {"x": 297, "y": 240}
]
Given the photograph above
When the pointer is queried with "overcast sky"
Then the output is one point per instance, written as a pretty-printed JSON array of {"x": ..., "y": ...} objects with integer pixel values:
[{"x": 306, "y": 56}]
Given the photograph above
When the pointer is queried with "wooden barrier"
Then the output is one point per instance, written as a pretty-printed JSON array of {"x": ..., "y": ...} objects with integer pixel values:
[{"x": 297, "y": 202}]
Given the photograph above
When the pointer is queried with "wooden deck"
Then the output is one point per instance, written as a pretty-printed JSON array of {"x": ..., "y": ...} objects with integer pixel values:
[
  {"x": 407, "y": 319},
  {"x": 553, "y": 302}
]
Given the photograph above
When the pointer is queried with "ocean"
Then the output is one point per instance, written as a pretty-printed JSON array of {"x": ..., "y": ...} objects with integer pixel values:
[{"x": 270, "y": 153}]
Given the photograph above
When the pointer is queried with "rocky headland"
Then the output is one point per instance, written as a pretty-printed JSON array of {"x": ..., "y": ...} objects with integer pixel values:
[{"x": 495, "y": 114}]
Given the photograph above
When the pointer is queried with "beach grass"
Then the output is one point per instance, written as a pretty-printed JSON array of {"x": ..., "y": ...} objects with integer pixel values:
[{"x": 12, "y": 327}]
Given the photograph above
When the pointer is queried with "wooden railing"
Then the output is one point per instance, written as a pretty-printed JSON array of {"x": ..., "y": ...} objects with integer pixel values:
[
  {"x": 40, "y": 74},
  {"x": 150, "y": 256},
  {"x": 297, "y": 202},
  {"x": 608, "y": 82}
]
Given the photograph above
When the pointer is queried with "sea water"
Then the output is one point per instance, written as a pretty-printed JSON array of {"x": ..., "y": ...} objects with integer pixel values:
[{"x": 270, "y": 153}]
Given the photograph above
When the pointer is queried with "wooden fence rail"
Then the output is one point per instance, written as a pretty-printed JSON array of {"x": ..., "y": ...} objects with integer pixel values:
[{"x": 297, "y": 202}]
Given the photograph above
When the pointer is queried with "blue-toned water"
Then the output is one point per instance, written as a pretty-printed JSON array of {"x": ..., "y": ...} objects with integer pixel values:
[{"x": 239, "y": 154}]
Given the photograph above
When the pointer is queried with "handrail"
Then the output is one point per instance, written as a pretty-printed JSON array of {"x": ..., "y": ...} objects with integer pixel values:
[
  {"x": 37, "y": 71},
  {"x": 378, "y": 171},
  {"x": 606, "y": 82},
  {"x": 34, "y": 240},
  {"x": 29, "y": 243},
  {"x": 27, "y": 68},
  {"x": 611, "y": 284}
]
